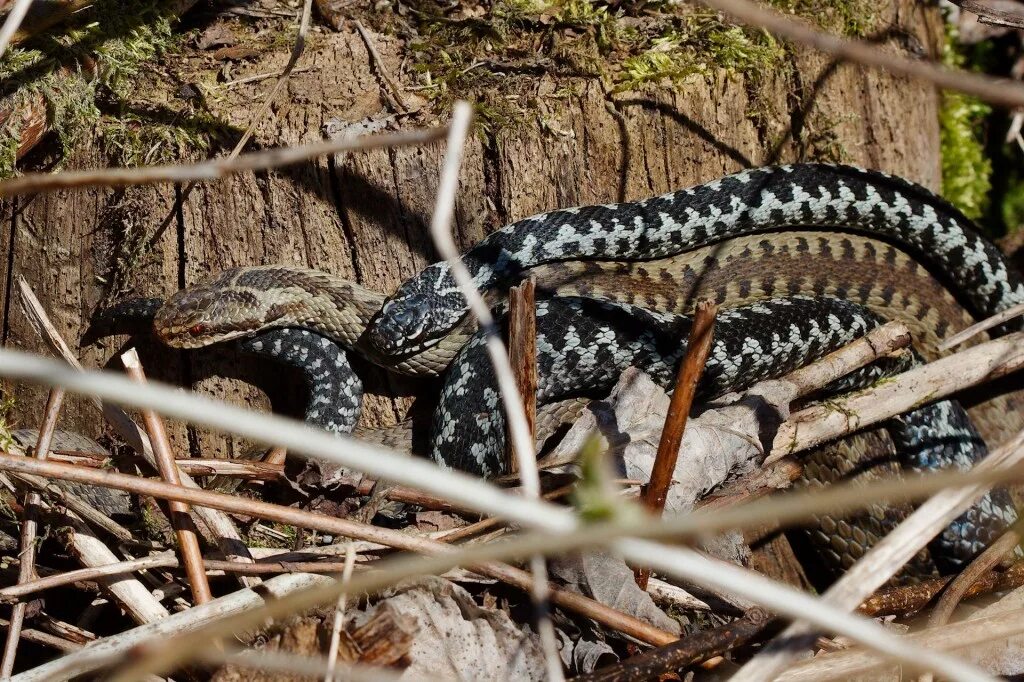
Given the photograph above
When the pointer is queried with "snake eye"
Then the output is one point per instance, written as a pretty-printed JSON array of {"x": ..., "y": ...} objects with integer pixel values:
[{"x": 196, "y": 329}]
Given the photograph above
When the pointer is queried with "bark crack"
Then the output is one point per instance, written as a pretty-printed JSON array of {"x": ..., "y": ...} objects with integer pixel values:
[
  {"x": 346, "y": 225},
  {"x": 9, "y": 284}
]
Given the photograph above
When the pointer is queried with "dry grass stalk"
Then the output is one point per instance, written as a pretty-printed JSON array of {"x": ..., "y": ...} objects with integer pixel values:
[
  {"x": 339, "y": 616},
  {"x": 336, "y": 526},
  {"x": 181, "y": 521},
  {"x": 691, "y": 369},
  {"x": 216, "y": 169},
  {"x": 521, "y": 439},
  {"x": 12, "y": 22}
]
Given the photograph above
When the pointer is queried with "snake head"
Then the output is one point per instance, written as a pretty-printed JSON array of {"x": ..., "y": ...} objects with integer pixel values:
[
  {"x": 401, "y": 324},
  {"x": 421, "y": 313},
  {"x": 221, "y": 309}
]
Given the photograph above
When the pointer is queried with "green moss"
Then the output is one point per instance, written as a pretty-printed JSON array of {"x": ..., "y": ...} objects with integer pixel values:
[
  {"x": 701, "y": 46},
  {"x": 119, "y": 42},
  {"x": 845, "y": 17},
  {"x": 480, "y": 57},
  {"x": 1013, "y": 205},
  {"x": 966, "y": 170}
]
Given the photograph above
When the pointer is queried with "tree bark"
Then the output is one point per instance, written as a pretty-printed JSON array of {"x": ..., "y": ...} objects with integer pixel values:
[{"x": 364, "y": 216}]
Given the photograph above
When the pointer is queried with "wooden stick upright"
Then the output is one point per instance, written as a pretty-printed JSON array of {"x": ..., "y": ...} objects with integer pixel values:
[
  {"x": 181, "y": 521},
  {"x": 522, "y": 353},
  {"x": 27, "y": 557},
  {"x": 690, "y": 371}
]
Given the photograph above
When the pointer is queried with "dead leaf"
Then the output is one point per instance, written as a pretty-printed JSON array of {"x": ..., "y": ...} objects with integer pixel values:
[
  {"x": 458, "y": 639},
  {"x": 429, "y": 521},
  {"x": 610, "y": 581},
  {"x": 215, "y": 36}
]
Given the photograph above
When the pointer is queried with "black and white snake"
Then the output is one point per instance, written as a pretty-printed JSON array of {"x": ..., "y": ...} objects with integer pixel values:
[{"x": 807, "y": 257}]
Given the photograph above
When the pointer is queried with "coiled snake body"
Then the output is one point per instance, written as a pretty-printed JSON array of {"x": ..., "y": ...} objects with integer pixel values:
[{"x": 669, "y": 251}]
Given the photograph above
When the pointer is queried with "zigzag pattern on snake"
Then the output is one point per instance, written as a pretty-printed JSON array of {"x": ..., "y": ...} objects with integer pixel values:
[{"x": 425, "y": 321}]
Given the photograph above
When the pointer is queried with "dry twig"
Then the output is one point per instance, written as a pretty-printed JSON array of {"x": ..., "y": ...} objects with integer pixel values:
[
  {"x": 27, "y": 556},
  {"x": 992, "y": 15},
  {"x": 339, "y": 616},
  {"x": 977, "y": 569},
  {"x": 690, "y": 370},
  {"x": 999, "y": 91},
  {"x": 522, "y": 353},
  {"x": 215, "y": 169},
  {"x": 908, "y": 600},
  {"x": 902, "y": 393},
  {"x": 883, "y": 561},
  {"x": 392, "y": 92},
  {"x": 984, "y": 325},
  {"x": 181, "y": 521},
  {"x": 686, "y": 652},
  {"x": 228, "y": 538}
]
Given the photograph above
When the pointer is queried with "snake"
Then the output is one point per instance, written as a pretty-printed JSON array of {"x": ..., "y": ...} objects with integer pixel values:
[{"x": 862, "y": 237}]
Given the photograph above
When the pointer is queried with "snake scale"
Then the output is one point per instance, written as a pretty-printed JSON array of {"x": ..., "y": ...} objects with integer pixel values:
[{"x": 805, "y": 256}]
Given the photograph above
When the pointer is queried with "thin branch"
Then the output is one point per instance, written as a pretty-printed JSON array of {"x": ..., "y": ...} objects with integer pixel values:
[
  {"x": 1001, "y": 91},
  {"x": 691, "y": 368},
  {"x": 522, "y": 354},
  {"x": 904, "y": 392},
  {"x": 693, "y": 649},
  {"x": 883, "y": 561},
  {"x": 907, "y": 600},
  {"x": 984, "y": 325},
  {"x": 27, "y": 556},
  {"x": 181, "y": 521},
  {"x": 975, "y": 571},
  {"x": 991, "y": 15},
  {"x": 393, "y": 93},
  {"x": 215, "y": 169}
]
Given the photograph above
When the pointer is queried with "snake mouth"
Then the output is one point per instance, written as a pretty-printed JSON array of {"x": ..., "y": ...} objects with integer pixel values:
[{"x": 193, "y": 335}]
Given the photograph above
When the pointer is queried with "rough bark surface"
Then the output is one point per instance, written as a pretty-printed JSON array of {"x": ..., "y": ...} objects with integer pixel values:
[{"x": 364, "y": 215}]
